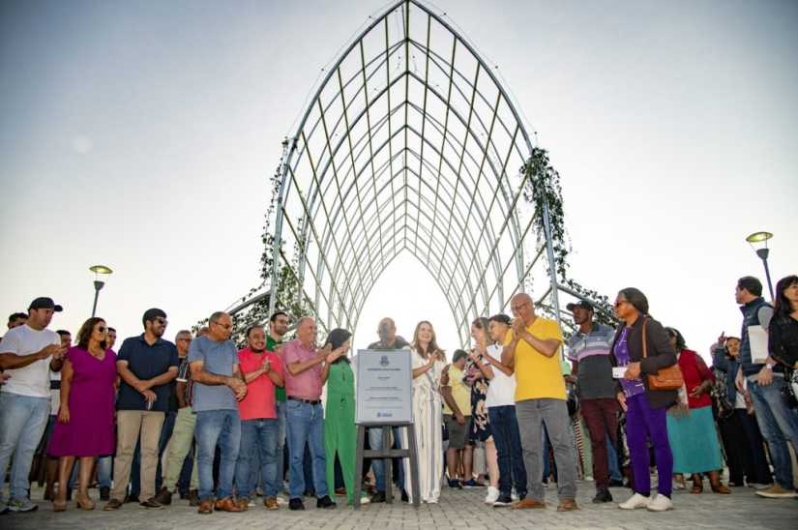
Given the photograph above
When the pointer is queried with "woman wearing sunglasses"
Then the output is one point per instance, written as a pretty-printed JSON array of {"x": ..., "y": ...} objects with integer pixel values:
[
  {"x": 85, "y": 426},
  {"x": 641, "y": 348}
]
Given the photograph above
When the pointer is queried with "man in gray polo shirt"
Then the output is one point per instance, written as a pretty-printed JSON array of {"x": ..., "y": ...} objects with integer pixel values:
[
  {"x": 217, "y": 388},
  {"x": 589, "y": 350}
]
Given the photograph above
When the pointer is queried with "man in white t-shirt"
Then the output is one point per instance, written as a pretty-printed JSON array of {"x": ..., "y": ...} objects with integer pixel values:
[
  {"x": 27, "y": 354},
  {"x": 500, "y": 402}
]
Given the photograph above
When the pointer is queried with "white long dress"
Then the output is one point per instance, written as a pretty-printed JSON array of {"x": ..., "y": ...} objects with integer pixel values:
[{"x": 428, "y": 422}]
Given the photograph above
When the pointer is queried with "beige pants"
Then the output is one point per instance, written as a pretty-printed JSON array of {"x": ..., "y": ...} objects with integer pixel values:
[{"x": 129, "y": 425}]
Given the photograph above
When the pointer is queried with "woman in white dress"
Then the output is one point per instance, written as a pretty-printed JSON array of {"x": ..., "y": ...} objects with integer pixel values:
[{"x": 428, "y": 362}]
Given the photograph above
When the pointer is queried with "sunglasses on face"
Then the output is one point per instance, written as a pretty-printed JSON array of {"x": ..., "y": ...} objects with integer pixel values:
[{"x": 101, "y": 329}]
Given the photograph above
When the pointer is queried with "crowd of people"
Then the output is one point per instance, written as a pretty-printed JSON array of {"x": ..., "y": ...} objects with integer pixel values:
[{"x": 223, "y": 425}]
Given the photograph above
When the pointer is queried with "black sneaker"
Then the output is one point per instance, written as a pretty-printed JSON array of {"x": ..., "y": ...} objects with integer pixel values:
[
  {"x": 405, "y": 498},
  {"x": 503, "y": 500},
  {"x": 602, "y": 496},
  {"x": 105, "y": 493},
  {"x": 325, "y": 502},
  {"x": 455, "y": 484},
  {"x": 378, "y": 497},
  {"x": 296, "y": 504},
  {"x": 151, "y": 503}
]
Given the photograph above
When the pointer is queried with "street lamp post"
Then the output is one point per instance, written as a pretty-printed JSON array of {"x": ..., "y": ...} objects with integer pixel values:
[
  {"x": 98, "y": 284},
  {"x": 763, "y": 252}
]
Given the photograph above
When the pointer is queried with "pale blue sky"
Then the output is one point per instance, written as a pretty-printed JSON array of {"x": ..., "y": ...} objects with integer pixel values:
[{"x": 142, "y": 135}]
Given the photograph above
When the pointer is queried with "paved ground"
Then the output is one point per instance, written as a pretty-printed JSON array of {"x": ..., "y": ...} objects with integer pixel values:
[{"x": 457, "y": 509}]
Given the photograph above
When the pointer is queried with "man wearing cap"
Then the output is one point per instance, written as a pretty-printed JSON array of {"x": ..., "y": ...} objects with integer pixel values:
[
  {"x": 147, "y": 364},
  {"x": 589, "y": 351},
  {"x": 27, "y": 354}
]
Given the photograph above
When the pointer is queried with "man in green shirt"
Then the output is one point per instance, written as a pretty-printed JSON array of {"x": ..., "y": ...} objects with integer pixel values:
[{"x": 278, "y": 327}]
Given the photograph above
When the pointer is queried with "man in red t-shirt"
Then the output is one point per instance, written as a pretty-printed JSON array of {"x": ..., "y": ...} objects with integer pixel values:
[{"x": 262, "y": 371}]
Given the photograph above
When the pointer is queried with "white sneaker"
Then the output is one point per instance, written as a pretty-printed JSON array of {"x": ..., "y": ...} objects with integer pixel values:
[
  {"x": 492, "y": 496},
  {"x": 514, "y": 495},
  {"x": 661, "y": 503},
  {"x": 365, "y": 500},
  {"x": 635, "y": 501}
]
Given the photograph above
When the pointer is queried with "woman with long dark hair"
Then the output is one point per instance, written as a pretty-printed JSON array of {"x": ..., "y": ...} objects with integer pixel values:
[
  {"x": 691, "y": 432},
  {"x": 645, "y": 408},
  {"x": 340, "y": 432},
  {"x": 428, "y": 362},
  {"x": 85, "y": 427},
  {"x": 783, "y": 329}
]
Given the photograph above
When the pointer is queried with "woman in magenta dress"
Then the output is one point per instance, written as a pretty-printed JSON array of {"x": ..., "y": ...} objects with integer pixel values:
[{"x": 85, "y": 426}]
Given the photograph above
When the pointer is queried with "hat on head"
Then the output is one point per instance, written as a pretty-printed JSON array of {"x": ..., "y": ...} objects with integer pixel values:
[
  {"x": 44, "y": 302},
  {"x": 584, "y": 304}
]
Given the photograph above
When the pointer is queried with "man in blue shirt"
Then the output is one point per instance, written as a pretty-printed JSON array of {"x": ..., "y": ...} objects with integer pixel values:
[
  {"x": 778, "y": 423},
  {"x": 218, "y": 387},
  {"x": 147, "y": 364}
]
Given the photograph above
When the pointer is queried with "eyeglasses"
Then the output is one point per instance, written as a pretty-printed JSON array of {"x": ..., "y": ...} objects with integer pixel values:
[
  {"x": 102, "y": 329},
  {"x": 187, "y": 339},
  {"x": 162, "y": 321},
  {"x": 225, "y": 326}
]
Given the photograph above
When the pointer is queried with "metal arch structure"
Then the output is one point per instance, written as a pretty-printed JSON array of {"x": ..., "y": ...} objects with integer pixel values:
[{"x": 409, "y": 144}]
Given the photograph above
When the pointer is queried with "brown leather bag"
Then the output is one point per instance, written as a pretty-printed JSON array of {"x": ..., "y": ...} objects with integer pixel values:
[{"x": 669, "y": 378}]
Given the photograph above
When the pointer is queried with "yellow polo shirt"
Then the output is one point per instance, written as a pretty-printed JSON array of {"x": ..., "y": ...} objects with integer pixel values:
[
  {"x": 460, "y": 392},
  {"x": 536, "y": 375}
]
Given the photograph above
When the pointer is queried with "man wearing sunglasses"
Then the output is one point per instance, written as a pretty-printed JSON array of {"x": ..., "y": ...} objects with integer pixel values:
[
  {"x": 146, "y": 364},
  {"x": 218, "y": 387}
]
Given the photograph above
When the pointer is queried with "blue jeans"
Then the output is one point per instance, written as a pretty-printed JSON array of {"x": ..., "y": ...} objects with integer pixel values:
[
  {"x": 258, "y": 436},
  {"x": 507, "y": 437},
  {"x": 612, "y": 460},
  {"x": 306, "y": 425},
  {"x": 222, "y": 427},
  {"x": 281, "y": 411},
  {"x": 378, "y": 465},
  {"x": 22, "y": 423},
  {"x": 779, "y": 426}
]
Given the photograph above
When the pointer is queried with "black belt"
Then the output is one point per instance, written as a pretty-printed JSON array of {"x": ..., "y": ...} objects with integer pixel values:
[{"x": 308, "y": 401}]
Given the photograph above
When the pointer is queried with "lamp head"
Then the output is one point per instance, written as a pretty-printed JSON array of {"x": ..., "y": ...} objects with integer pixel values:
[{"x": 759, "y": 237}]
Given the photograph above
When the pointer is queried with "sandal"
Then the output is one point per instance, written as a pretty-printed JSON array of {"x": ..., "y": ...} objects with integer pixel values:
[
  {"x": 720, "y": 488},
  {"x": 59, "y": 506},
  {"x": 698, "y": 485},
  {"x": 85, "y": 503}
]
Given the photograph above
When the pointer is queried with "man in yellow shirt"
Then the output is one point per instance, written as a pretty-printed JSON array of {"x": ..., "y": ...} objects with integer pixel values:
[{"x": 540, "y": 399}]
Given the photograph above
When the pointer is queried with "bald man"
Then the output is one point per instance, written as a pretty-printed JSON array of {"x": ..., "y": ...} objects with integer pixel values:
[{"x": 532, "y": 354}]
